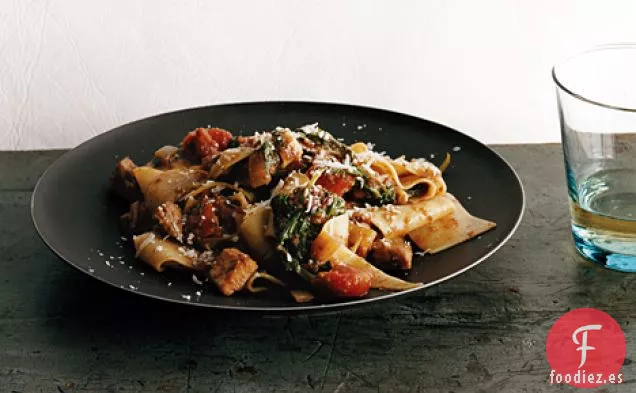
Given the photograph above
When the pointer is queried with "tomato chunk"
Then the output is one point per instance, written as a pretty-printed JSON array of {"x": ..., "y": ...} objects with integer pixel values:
[
  {"x": 338, "y": 183},
  {"x": 203, "y": 142},
  {"x": 344, "y": 281},
  {"x": 205, "y": 221}
]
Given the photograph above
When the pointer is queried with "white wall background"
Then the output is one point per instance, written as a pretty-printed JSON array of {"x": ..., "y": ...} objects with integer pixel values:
[{"x": 70, "y": 69}]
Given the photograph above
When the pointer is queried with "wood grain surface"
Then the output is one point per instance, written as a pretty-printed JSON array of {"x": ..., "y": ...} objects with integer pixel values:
[{"x": 484, "y": 331}]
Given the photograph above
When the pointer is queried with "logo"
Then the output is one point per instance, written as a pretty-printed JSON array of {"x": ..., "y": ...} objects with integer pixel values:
[{"x": 586, "y": 348}]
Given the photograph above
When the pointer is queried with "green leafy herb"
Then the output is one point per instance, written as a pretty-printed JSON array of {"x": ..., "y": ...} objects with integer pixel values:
[
  {"x": 270, "y": 155},
  {"x": 375, "y": 192},
  {"x": 297, "y": 224},
  {"x": 234, "y": 142},
  {"x": 379, "y": 194}
]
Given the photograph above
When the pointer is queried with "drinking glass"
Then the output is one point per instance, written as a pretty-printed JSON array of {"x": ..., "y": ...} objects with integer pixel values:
[{"x": 596, "y": 94}]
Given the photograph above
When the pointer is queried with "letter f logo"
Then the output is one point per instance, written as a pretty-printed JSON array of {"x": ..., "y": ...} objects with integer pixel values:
[{"x": 584, "y": 347}]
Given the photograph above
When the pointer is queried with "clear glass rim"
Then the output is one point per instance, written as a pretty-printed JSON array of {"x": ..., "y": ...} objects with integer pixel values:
[{"x": 599, "y": 48}]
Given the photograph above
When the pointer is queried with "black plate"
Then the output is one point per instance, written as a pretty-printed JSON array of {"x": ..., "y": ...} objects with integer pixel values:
[{"x": 78, "y": 220}]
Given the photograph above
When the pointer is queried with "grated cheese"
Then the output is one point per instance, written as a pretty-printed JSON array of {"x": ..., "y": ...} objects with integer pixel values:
[
  {"x": 188, "y": 253},
  {"x": 196, "y": 280},
  {"x": 334, "y": 164},
  {"x": 310, "y": 200}
]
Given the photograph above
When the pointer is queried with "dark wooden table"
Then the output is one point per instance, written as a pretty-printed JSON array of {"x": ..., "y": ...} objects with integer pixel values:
[{"x": 484, "y": 331}]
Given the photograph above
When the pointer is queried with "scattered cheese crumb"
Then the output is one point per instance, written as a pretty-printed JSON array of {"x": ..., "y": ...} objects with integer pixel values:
[
  {"x": 108, "y": 264},
  {"x": 91, "y": 270},
  {"x": 196, "y": 280},
  {"x": 169, "y": 284},
  {"x": 457, "y": 148},
  {"x": 134, "y": 288},
  {"x": 186, "y": 297}
]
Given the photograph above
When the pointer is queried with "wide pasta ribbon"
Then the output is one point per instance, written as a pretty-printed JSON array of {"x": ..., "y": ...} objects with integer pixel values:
[
  {"x": 228, "y": 158},
  {"x": 399, "y": 220},
  {"x": 159, "y": 186},
  {"x": 160, "y": 253},
  {"x": 405, "y": 174},
  {"x": 331, "y": 245},
  {"x": 449, "y": 230}
]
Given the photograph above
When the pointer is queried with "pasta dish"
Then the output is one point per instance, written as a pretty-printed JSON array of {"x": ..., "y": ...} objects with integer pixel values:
[{"x": 287, "y": 210}]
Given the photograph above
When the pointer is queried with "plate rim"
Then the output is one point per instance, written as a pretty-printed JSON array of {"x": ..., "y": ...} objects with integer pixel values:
[{"x": 324, "y": 307}]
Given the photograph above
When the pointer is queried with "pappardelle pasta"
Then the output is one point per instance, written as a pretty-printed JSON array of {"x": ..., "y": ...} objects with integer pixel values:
[{"x": 290, "y": 210}]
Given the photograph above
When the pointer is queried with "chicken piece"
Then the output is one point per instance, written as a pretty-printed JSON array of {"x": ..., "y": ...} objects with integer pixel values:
[
  {"x": 231, "y": 270},
  {"x": 391, "y": 254},
  {"x": 361, "y": 238},
  {"x": 169, "y": 216},
  {"x": 124, "y": 182}
]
